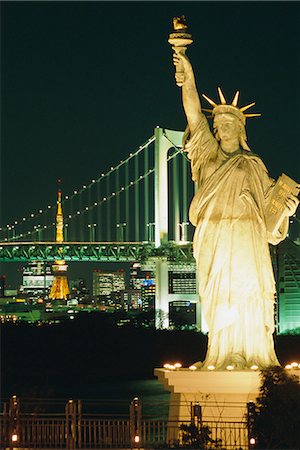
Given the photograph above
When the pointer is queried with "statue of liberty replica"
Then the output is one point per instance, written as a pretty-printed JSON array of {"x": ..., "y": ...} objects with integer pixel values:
[{"x": 237, "y": 211}]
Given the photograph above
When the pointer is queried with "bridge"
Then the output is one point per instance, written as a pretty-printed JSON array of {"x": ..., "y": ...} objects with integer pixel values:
[
  {"x": 137, "y": 211},
  {"x": 144, "y": 198},
  {"x": 94, "y": 251}
]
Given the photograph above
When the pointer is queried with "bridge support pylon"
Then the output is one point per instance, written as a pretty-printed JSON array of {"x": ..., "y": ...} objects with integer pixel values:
[{"x": 164, "y": 141}]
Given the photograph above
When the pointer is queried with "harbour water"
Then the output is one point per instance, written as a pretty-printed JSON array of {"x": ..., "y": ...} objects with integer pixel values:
[
  {"x": 153, "y": 398},
  {"x": 106, "y": 399}
]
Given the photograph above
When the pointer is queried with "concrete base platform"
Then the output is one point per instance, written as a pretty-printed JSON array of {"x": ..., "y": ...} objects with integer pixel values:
[
  {"x": 216, "y": 391},
  {"x": 222, "y": 395}
]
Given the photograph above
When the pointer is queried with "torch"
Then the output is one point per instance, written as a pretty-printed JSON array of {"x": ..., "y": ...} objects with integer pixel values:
[{"x": 180, "y": 39}]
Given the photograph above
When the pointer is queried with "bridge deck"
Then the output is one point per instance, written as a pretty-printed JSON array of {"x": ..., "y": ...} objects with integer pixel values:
[{"x": 92, "y": 251}]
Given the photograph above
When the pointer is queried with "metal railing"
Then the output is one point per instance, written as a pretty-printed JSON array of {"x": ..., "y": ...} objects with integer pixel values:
[{"x": 73, "y": 429}]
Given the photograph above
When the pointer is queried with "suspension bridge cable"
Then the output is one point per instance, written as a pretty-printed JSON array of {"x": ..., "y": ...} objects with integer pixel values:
[{"x": 40, "y": 212}]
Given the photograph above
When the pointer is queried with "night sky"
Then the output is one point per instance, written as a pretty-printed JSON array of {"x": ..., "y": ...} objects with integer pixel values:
[{"x": 84, "y": 83}]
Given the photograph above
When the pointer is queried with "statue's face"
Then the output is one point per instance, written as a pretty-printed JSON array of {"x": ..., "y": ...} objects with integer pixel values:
[{"x": 228, "y": 126}]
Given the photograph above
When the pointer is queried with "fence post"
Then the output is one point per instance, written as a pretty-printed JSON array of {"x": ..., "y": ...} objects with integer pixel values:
[
  {"x": 79, "y": 411},
  {"x": 250, "y": 422},
  {"x": 14, "y": 423},
  {"x": 70, "y": 424},
  {"x": 135, "y": 423}
]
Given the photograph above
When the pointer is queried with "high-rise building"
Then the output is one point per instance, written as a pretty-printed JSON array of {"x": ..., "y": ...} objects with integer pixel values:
[
  {"x": 37, "y": 278},
  {"x": 131, "y": 299},
  {"x": 144, "y": 282},
  {"x": 148, "y": 294},
  {"x": 182, "y": 314},
  {"x": 104, "y": 282},
  {"x": 60, "y": 288},
  {"x": 182, "y": 282},
  {"x": 78, "y": 287},
  {"x": 286, "y": 261}
]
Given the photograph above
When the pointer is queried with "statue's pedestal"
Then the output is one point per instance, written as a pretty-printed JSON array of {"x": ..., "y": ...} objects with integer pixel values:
[{"x": 223, "y": 396}]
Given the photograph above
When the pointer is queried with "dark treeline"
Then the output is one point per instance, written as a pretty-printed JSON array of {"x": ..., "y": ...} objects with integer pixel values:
[{"x": 62, "y": 359}]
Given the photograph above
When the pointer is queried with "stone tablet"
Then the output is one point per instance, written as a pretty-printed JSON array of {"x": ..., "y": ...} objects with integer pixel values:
[{"x": 275, "y": 209}]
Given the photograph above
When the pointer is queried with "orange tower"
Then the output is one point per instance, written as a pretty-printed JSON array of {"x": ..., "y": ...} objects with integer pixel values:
[{"x": 60, "y": 288}]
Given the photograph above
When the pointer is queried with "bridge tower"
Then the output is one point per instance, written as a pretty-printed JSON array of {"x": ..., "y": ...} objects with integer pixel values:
[
  {"x": 60, "y": 288},
  {"x": 164, "y": 141}
]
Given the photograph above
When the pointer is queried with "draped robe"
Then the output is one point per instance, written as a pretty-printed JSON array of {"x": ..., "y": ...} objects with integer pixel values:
[{"x": 236, "y": 281}]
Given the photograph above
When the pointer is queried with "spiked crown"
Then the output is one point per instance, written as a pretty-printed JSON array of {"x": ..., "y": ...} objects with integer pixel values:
[{"x": 232, "y": 108}]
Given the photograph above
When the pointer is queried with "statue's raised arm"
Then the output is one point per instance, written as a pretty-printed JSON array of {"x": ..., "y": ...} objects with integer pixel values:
[
  {"x": 190, "y": 96},
  {"x": 180, "y": 39}
]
